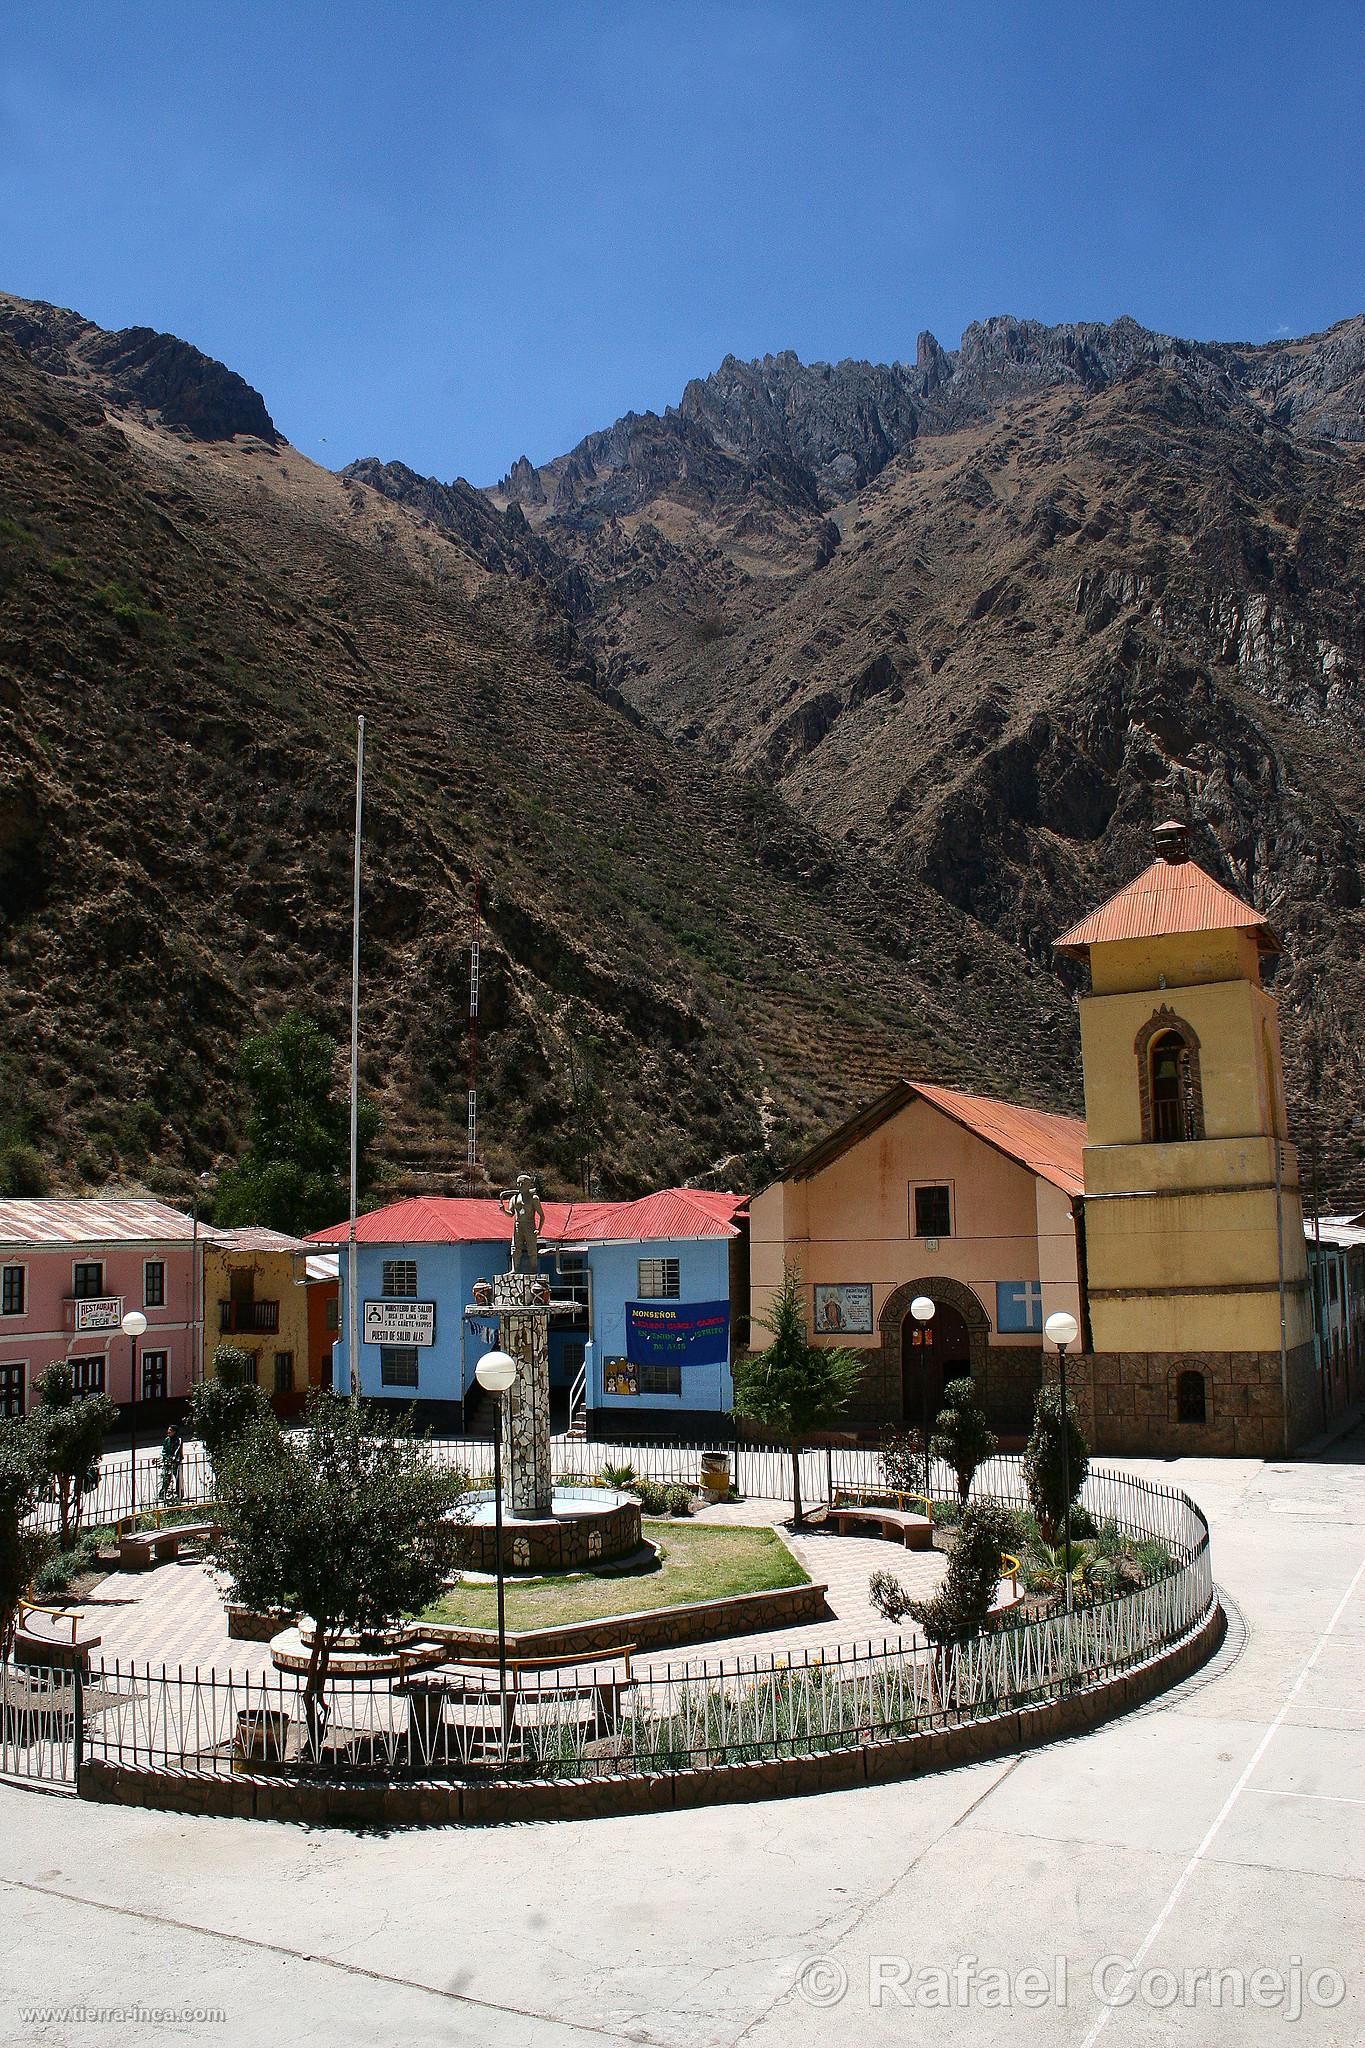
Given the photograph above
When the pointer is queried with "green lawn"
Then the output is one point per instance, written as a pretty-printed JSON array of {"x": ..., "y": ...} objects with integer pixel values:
[{"x": 698, "y": 1563}]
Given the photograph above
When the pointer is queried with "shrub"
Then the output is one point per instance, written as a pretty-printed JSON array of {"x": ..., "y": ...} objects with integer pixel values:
[
  {"x": 22, "y": 1172},
  {"x": 652, "y": 1496},
  {"x": 963, "y": 1602},
  {"x": 71, "y": 1429},
  {"x": 1043, "y": 1462},
  {"x": 902, "y": 1461},
  {"x": 617, "y": 1475},
  {"x": 678, "y": 1500},
  {"x": 227, "y": 1404},
  {"x": 962, "y": 1436}
]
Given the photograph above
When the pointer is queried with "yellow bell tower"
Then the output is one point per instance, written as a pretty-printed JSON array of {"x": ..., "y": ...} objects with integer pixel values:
[{"x": 1196, "y": 1272}]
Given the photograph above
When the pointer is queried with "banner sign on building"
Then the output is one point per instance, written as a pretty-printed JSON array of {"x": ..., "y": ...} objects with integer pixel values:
[
  {"x": 845, "y": 1307},
  {"x": 678, "y": 1333},
  {"x": 400, "y": 1322},
  {"x": 105, "y": 1313}
]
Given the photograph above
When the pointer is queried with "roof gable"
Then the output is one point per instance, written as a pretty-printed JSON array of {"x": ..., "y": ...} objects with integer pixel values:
[{"x": 1045, "y": 1142}]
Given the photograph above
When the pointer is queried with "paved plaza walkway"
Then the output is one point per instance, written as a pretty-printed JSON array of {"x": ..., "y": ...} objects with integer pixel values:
[
  {"x": 1219, "y": 1830},
  {"x": 174, "y": 1614}
]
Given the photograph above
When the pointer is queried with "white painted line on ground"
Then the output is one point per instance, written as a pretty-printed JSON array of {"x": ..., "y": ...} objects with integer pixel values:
[{"x": 1201, "y": 1852}]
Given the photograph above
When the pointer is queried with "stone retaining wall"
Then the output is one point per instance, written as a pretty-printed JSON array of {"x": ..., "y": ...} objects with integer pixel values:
[
  {"x": 476, "y": 1805},
  {"x": 659, "y": 1628}
]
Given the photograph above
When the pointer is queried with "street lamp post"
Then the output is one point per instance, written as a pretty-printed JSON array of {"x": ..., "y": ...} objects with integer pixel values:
[
  {"x": 133, "y": 1325},
  {"x": 495, "y": 1373},
  {"x": 922, "y": 1309},
  {"x": 1062, "y": 1329}
]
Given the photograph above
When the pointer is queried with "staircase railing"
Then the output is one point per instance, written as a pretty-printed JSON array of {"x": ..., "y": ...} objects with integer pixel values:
[{"x": 578, "y": 1394}]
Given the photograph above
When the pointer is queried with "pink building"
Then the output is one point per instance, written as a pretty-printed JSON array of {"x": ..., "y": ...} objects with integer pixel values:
[{"x": 69, "y": 1271}]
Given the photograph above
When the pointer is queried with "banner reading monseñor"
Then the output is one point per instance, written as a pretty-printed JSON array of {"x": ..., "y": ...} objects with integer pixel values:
[{"x": 677, "y": 1332}]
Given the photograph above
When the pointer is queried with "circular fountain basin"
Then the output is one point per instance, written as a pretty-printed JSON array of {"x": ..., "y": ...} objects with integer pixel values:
[{"x": 586, "y": 1525}]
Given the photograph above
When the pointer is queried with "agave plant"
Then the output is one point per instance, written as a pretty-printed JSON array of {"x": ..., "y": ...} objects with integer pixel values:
[{"x": 618, "y": 1475}]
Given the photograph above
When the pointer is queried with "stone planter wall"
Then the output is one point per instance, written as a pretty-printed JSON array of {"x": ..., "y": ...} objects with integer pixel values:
[
  {"x": 663, "y": 1628},
  {"x": 476, "y": 1805}
]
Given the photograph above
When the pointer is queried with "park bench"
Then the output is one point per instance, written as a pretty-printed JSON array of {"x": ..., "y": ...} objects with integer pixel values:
[
  {"x": 53, "y": 1636},
  {"x": 139, "y": 1548},
  {"x": 888, "y": 1512}
]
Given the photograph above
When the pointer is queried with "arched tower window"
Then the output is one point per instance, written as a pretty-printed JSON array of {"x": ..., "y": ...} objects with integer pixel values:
[
  {"x": 1168, "y": 1095},
  {"x": 1169, "y": 1081},
  {"x": 1191, "y": 1398}
]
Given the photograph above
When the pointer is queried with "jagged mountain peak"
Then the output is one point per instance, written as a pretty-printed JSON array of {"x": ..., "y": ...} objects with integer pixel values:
[{"x": 140, "y": 370}]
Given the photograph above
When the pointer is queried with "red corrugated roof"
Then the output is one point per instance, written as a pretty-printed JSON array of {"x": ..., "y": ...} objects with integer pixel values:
[
  {"x": 1048, "y": 1144},
  {"x": 93, "y": 1221},
  {"x": 1168, "y": 897},
  {"x": 465, "y": 1219}
]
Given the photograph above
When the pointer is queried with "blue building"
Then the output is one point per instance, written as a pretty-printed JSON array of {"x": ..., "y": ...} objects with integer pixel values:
[{"x": 648, "y": 1291}]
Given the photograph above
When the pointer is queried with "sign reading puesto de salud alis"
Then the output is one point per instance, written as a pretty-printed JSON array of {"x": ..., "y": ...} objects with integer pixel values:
[
  {"x": 400, "y": 1322},
  {"x": 677, "y": 1333}
]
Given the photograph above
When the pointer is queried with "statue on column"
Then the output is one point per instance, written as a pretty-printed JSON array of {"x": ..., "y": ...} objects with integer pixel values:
[{"x": 524, "y": 1206}]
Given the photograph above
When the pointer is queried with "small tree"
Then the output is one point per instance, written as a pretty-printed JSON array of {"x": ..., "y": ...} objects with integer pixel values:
[
  {"x": 346, "y": 1520},
  {"x": 224, "y": 1407},
  {"x": 902, "y": 1460},
  {"x": 1043, "y": 1461},
  {"x": 794, "y": 1386},
  {"x": 962, "y": 1436},
  {"x": 294, "y": 1173},
  {"x": 71, "y": 1429},
  {"x": 963, "y": 1602},
  {"x": 23, "y": 1478}
]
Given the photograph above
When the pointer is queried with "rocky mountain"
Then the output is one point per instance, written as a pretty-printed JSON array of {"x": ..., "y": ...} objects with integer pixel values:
[
  {"x": 682, "y": 975},
  {"x": 984, "y": 617}
]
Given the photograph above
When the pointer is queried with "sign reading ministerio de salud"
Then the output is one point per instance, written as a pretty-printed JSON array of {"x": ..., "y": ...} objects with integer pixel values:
[
  {"x": 410, "y": 1323},
  {"x": 677, "y": 1333}
]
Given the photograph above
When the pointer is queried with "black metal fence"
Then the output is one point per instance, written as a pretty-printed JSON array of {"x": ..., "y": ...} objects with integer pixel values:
[{"x": 605, "y": 1717}]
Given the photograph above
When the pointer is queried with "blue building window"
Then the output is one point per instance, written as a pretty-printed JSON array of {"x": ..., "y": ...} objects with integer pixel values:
[{"x": 1018, "y": 1306}]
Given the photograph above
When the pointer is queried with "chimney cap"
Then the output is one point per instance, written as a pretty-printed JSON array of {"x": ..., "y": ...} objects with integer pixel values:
[{"x": 1171, "y": 839}]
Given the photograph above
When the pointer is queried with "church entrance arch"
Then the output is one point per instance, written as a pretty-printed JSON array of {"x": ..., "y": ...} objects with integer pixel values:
[{"x": 924, "y": 1357}]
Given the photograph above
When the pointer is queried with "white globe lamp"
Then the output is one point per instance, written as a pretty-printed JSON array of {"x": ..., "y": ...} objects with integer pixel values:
[{"x": 496, "y": 1371}]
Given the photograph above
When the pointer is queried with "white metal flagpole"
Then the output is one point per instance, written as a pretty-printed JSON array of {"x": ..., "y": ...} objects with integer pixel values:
[{"x": 353, "y": 1316}]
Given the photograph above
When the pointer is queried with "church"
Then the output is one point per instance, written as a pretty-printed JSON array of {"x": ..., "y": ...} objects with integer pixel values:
[{"x": 1168, "y": 1223}]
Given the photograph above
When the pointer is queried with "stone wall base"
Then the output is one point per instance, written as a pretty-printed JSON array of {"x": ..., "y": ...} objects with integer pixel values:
[
  {"x": 1128, "y": 1402},
  {"x": 479, "y": 1805},
  {"x": 1006, "y": 1377}
]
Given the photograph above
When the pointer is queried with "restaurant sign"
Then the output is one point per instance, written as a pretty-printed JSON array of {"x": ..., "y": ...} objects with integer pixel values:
[
  {"x": 102, "y": 1312},
  {"x": 400, "y": 1322}
]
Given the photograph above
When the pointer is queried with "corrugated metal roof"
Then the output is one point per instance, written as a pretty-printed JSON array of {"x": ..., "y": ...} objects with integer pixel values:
[
  {"x": 1166, "y": 898},
  {"x": 254, "y": 1237},
  {"x": 1050, "y": 1145},
  {"x": 464, "y": 1219},
  {"x": 93, "y": 1221},
  {"x": 323, "y": 1265}
]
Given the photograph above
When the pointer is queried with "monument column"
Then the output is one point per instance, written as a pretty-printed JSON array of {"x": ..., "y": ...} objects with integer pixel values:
[{"x": 522, "y": 1301}]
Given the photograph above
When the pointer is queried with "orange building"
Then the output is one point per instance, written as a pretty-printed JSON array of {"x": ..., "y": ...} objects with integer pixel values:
[{"x": 970, "y": 1201}]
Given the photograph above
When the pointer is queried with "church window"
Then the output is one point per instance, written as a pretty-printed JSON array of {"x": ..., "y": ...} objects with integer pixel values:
[
  {"x": 1191, "y": 1398},
  {"x": 1169, "y": 1081}
]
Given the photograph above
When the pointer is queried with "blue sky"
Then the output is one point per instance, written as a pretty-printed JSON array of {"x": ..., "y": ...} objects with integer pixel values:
[{"x": 452, "y": 233}]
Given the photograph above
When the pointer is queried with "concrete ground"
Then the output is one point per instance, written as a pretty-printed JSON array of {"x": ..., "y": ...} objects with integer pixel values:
[{"x": 1220, "y": 1830}]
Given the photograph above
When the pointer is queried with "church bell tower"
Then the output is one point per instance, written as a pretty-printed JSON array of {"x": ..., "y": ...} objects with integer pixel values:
[{"x": 1196, "y": 1272}]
